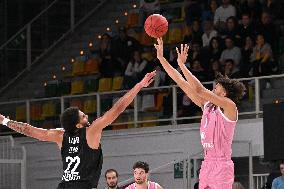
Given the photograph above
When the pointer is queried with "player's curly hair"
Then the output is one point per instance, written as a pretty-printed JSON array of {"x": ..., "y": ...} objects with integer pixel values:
[
  {"x": 69, "y": 119},
  {"x": 141, "y": 165},
  {"x": 235, "y": 90}
]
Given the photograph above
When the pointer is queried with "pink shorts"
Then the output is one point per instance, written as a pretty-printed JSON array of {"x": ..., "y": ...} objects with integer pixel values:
[{"x": 216, "y": 174}]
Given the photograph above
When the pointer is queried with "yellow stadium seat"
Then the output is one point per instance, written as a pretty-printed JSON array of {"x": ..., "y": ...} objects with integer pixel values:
[
  {"x": 105, "y": 84},
  {"x": 49, "y": 110},
  {"x": 21, "y": 113},
  {"x": 149, "y": 124},
  {"x": 147, "y": 55},
  {"x": 78, "y": 68},
  {"x": 77, "y": 87},
  {"x": 92, "y": 66},
  {"x": 76, "y": 103},
  {"x": 175, "y": 35},
  {"x": 36, "y": 112},
  {"x": 90, "y": 106},
  {"x": 117, "y": 83}
]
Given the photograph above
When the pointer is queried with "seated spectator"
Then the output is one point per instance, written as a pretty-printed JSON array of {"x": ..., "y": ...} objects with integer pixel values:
[
  {"x": 247, "y": 50},
  {"x": 106, "y": 67},
  {"x": 246, "y": 28},
  {"x": 194, "y": 33},
  {"x": 215, "y": 49},
  {"x": 231, "y": 70},
  {"x": 253, "y": 7},
  {"x": 231, "y": 52},
  {"x": 140, "y": 172},
  {"x": 160, "y": 77},
  {"x": 194, "y": 52},
  {"x": 269, "y": 30},
  {"x": 274, "y": 173},
  {"x": 209, "y": 12},
  {"x": 272, "y": 7},
  {"x": 123, "y": 47},
  {"x": 209, "y": 33},
  {"x": 222, "y": 13},
  {"x": 193, "y": 11},
  {"x": 134, "y": 71},
  {"x": 197, "y": 70},
  {"x": 278, "y": 183},
  {"x": 232, "y": 30},
  {"x": 262, "y": 57},
  {"x": 214, "y": 71},
  {"x": 148, "y": 7},
  {"x": 111, "y": 177}
]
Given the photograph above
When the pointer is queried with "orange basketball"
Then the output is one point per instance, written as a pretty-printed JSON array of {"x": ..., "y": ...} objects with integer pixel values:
[{"x": 156, "y": 25}]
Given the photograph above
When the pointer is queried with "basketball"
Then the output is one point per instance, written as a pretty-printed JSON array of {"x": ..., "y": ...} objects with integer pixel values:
[{"x": 156, "y": 25}]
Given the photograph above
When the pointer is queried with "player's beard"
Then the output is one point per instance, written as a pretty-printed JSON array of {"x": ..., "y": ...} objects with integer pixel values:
[
  {"x": 112, "y": 185},
  {"x": 140, "y": 181}
]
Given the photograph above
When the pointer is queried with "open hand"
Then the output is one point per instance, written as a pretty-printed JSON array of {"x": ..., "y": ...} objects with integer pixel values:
[
  {"x": 159, "y": 47},
  {"x": 1, "y": 118},
  {"x": 182, "y": 54},
  {"x": 148, "y": 79}
]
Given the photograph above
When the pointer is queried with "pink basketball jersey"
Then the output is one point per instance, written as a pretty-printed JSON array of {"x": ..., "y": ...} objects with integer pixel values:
[
  {"x": 151, "y": 185},
  {"x": 216, "y": 132}
]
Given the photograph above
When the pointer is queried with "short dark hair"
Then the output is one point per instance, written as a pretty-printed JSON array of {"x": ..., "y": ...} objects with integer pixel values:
[
  {"x": 109, "y": 171},
  {"x": 69, "y": 119},
  {"x": 235, "y": 90},
  {"x": 281, "y": 162},
  {"x": 230, "y": 61},
  {"x": 141, "y": 165}
]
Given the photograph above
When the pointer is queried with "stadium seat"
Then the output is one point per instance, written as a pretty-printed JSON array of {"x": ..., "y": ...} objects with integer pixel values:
[
  {"x": 77, "y": 87},
  {"x": 147, "y": 55},
  {"x": 149, "y": 124},
  {"x": 91, "y": 85},
  {"x": 175, "y": 35},
  {"x": 105, "y": 84},
  {"x": 36, "y": 112},
  {"x": 64, "y": 88},
  {"x": 133, "y": 19},
  {"x": 117, "y": 83},
  {"x": 21, "y": 113},
  {"x": 49, "y": 110},
  {"x": 90, "y": 106},
  {"x": 78, "y": 68},
  {"x": 92, "y": 66},
  {"x": 77, "y": 103}
]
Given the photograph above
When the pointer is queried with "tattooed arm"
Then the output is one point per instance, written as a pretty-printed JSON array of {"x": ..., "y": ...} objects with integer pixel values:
[{"x": 52, "y": 135}]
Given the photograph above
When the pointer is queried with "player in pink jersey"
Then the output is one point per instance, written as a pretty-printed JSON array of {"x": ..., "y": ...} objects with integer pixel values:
[
  {"x": 218, "y": 122},
  {"x": 141, "y": 174}
]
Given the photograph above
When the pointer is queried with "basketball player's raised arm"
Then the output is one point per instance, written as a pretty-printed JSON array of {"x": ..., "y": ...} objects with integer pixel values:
[
  {"x": 121, "y": 104},
  {"x": 177, "y": 77},
  {"x": 53, "y": 135},
  {"x": 208, "y": 95}
]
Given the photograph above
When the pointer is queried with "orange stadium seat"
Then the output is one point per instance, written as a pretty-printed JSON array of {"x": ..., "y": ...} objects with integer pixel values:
[
  {"x": 21, "y": 113},
  {"x": 78, "y": 68},
  {"x": 76, "y": 103},
  {"x": 92, "y": 66}
]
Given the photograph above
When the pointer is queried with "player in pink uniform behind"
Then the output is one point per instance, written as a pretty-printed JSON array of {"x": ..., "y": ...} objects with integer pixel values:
[
  {"x": 141, "y": 174},
  {"x": 218, "y": 121}
]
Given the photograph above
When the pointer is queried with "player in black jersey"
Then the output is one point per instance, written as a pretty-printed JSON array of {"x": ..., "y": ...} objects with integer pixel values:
[{"x": 79, "y": 140}]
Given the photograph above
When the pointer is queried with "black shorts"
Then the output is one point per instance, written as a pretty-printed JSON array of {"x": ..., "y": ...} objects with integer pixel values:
[{"x": 75, "y": 185}]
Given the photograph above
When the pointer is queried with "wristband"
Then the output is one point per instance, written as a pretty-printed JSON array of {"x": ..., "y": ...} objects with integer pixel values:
[{"x": 5, "y": 121}]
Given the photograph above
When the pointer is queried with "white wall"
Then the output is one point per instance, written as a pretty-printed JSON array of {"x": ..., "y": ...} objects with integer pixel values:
[{"x": 156, "y": 145}]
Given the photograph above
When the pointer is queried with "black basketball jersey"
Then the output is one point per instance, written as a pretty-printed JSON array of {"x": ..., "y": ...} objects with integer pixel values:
[{"x": 80, "y": 162}]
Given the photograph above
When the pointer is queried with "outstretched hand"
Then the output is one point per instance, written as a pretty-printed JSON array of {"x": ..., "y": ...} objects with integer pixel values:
[
  {"x": 148, "y": 79},
  {"x": 182, "y": 54},
  {"x": 1, "y": 118},
  {"x": 159, "y": 47}
]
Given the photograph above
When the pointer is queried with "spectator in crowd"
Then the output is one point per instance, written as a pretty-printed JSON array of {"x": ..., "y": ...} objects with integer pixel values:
[
  {"x": 198, "y": 71},
  {"x": 106, "y": 67},
  {"x": 111, "y": 177},
  {"x": 274, "y": 173},
  {"x": 262, "y": 57},
  {"x": 247, "y": 50},
  {"x": 231, "y": 70},
  {"x": 148, "y": 7},
  {"x": 141, "y": 174},
  {"x": 246, "y": 28},
  {"x": 232, "y": 30},
  {"x": 194, "y": 53},
  {"x": 231, "y": 52},
  {"x": 123, "y": 47},
  {"x": 193, "y": 11},
  {"x": 209, "y": 33},
  {"x": 237, "y": 185},
  {"x": 253, "y": 7},
  {"x": 160, "y": 78},
  {"x": 194, "y": 32},
  {"x": 210, "y": 9},
  {"x": 215, "y": 49},
  {"x": 272, "y": 7},
  {"x": 278, "y": 183},
  {"x": 215, "y": 70},
  {"x": 268, "y": 29},
  {"x": 134, "y": 70},
  {"x": 222, "y": 13}
]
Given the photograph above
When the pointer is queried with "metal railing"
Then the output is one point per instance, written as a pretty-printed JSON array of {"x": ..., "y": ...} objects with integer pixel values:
[
  {"x": 138, "y": 115},
  {"x": 38, "y": 37},
  {"x": 259, "y": 180},
  {"x": 12, "y": 164}
]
